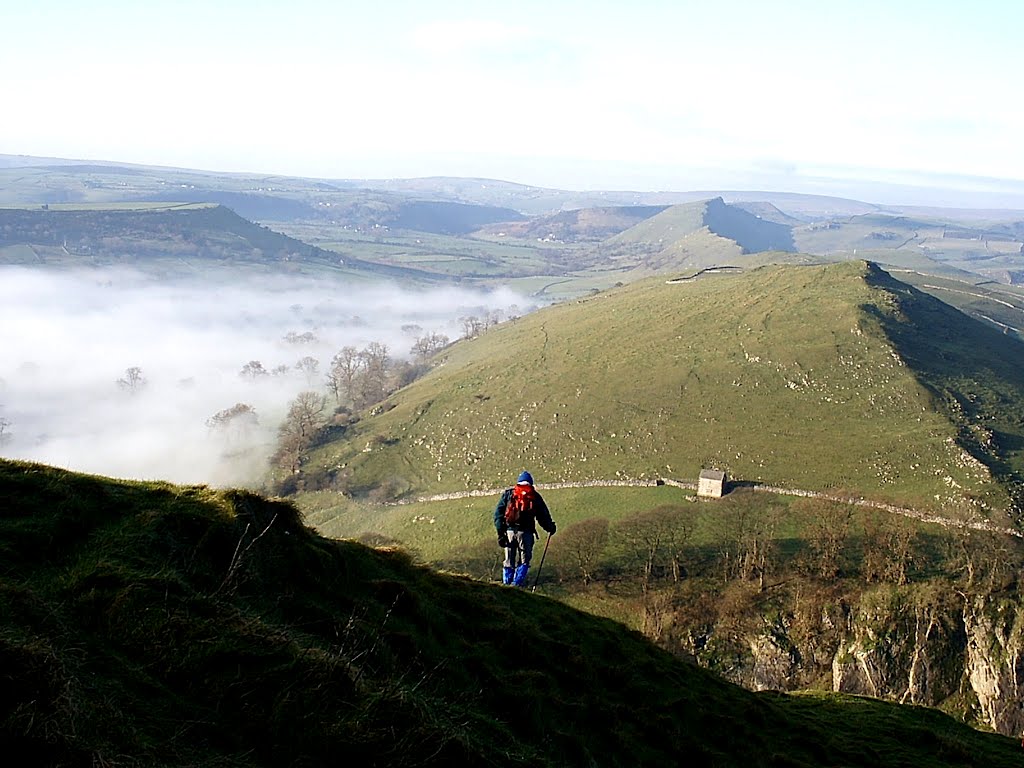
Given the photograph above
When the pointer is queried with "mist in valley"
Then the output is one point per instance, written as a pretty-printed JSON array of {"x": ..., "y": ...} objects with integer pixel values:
[{"x": 116, "y": 373}]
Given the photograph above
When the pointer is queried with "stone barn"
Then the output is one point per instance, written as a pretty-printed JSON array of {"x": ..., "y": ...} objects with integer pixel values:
[{"x": 711, "y": 483}]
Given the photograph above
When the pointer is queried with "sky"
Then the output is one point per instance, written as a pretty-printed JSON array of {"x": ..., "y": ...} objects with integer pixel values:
[{"x": 645, "y": 95}]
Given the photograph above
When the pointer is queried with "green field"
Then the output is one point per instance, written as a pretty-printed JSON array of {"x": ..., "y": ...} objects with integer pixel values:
[{"x": 436, "y": 529}]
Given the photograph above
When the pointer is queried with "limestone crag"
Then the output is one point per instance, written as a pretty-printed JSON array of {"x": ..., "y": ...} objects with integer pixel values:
[{"x": 912, "y": 645}]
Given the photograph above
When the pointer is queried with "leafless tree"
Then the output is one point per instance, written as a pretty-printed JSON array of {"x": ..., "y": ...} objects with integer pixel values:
[
  {"x": 306, "y": 415},
  {"x": 472, "y": 326},
  {"x": 308, "y": 365},
  {"x": 373, "y": 374},
  {"x": 655, "y": 536},
  {"x": 132, "y": 381},
  {"x": 827, "y": 533},
  {"x": 428, "y": 345},
  {"x": 750, "y": 548},
  {"x": 307, "y": 337},
  {"x": 889, "y": 548},
  {"x": 253, "y": 370},
  {"x": 342, "y": 374},
  {"x": 583, "y": 543},
  {"x": 236, "y": 422}
]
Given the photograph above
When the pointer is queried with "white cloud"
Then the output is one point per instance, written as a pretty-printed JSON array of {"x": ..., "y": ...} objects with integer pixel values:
[
  {"x": 445, "y": 37},
  {"x": 68, "y": 337}
]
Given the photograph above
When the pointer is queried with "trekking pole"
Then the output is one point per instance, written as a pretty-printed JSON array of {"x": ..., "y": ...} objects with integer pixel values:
[{"x": 539, "y": 567}]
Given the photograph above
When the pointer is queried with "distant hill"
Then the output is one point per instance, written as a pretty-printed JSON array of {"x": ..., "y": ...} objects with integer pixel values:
[
  {"x": 940, "y": 246},
  {"x": 698, "y": 235},
  {"x": 577, "y": 240},
  {"x": 152, "y": 624},
  {"x": 172, "y": 238},
  {"x": 768, "y": 212},
  {"x": 750, "y": 232},
  {"x": 576, "y": 226},
  {"x": 819, "y": 377}
]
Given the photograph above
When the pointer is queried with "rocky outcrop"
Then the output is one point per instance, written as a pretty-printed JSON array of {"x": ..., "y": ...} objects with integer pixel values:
[
  {"x": 995, "y": 661},
  {"x": 904, "y": 646},
  {"x": 928, "y": 645}
]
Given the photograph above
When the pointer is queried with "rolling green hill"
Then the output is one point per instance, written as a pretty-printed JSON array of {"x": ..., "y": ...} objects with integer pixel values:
[
  {"x": 173, "y": 238},
  {"x": 834, "y": 378},
  {"x": 578, "y": 225},
  {"x": 159, "y": 625},
  {"x": 750, "y": 232}
]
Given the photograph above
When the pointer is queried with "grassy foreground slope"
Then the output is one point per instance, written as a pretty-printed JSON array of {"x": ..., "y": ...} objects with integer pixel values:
[
  {"x": 822, "y": 377},
  {"x": 158, "y": 625}
]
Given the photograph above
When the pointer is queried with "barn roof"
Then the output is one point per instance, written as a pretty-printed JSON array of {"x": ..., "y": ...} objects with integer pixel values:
[{"x": 712, "y": 474}]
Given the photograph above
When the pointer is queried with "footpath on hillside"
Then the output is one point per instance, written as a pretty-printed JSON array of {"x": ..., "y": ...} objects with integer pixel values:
[{"x": 924, "y": 517}]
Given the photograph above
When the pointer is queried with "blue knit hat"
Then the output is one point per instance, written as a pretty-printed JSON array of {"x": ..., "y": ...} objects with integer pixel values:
[{"x": 525, "y": 477}]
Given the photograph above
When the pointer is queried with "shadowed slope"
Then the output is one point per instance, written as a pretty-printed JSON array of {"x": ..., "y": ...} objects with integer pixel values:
[{"x": 148, "y": 624}]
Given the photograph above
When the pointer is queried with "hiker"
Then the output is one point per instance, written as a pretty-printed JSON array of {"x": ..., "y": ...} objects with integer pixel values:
[{"x": 519, "y": 510}]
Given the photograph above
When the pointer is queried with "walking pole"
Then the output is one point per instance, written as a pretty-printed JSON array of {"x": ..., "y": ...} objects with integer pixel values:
[{"x": 539, "y": 567}]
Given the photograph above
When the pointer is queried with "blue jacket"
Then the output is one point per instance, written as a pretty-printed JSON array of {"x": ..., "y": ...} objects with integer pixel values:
[{"x": 540, "y": 513}]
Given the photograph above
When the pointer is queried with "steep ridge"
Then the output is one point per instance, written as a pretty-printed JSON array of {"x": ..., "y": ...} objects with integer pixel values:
[
  {"x": 749, "y": 231},
  {"x": 152, "y": 624},
  {"x": 817, "y": 377}
]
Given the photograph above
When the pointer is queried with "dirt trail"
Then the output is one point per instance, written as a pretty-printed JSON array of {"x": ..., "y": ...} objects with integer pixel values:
[{"x": 925, "y": 517}]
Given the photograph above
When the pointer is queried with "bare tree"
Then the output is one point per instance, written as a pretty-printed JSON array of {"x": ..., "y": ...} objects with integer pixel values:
[
  {"x": 236, "y": 422},
  {"x": 308, "y": 365},
  {"x": 656, "y": 535},
  {"x": 750, "y": 548},
  {"x": 583, "y": 543},
  {"x": 5, "y": 434},
  {"x": 132, "y": 381},
  {"x": 342, "y": 374},
  {"x": 827, "y": 534},
  {"x": 300, "y": 338},
  {"x": 472, "y": 326},
  {"x": 889, "y": 548},
  {"x": 373, "y": 374},
  {"x": 253, "y": 370},
  {"x": 428, "y": 345},
  {"x": 304, "y": 419}
]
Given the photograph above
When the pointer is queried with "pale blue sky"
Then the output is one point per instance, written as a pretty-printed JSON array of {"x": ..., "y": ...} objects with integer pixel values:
[{"x": 641, "y": 95}]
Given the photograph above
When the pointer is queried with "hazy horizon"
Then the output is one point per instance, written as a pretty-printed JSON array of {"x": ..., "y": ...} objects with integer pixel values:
[{"x": 909, "y": 103}]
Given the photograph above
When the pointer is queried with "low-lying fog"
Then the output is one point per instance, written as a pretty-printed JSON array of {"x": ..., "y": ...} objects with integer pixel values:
[{"x": 68, "y": 340}]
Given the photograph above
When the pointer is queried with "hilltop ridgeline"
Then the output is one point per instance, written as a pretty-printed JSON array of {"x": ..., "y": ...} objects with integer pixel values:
[
  {"x": 832, "y": 378},
  {"x": 151, "y": 624},
  {"x": 748, "y": 231},
  {"x": 173, "y": 239}
]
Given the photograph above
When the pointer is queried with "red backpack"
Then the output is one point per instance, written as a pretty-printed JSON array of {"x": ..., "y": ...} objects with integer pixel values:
[{"x": 519, "y": 508}]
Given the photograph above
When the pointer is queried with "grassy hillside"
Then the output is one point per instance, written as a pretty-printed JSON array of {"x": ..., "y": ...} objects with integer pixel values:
[
  {"x": 749, "y": 231},
  {"x": 178, "y": 238},
  {"x": 150, "y": 624},
  {"x": 579, "y": 225},
  {"x": 820, "y": 377}
]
